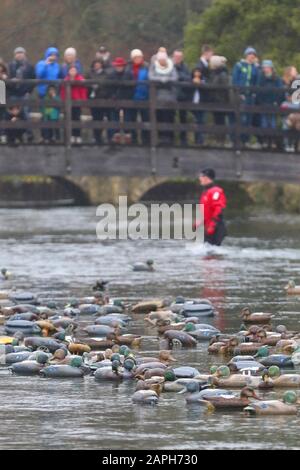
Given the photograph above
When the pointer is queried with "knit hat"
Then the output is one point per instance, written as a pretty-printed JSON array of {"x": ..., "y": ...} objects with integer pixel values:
[
  {"x": 250, "y": 50},
  {"x": 209, "y": 172},
  {"x": 217, "y": 61},
  {"x": 161, "y": 55},
  {"x": 267, "y": 63},
  {"x": 70, "y": 51},
  {"x": 136, "y": 53},
  {"x": 119, "y": 62},
  {"x": 19, "y": 50}
]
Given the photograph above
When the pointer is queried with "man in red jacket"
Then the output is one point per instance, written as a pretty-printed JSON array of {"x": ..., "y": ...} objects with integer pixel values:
[{"x": 214, "y": 201}]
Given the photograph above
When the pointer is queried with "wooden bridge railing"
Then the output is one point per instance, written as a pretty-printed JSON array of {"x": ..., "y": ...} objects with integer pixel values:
[{"x": 233, "y": 109}]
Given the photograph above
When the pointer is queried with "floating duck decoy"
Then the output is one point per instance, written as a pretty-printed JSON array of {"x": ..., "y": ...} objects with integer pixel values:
[
  {"x": 257, "y": 317},
  {"x": 249, "y": 365},
  {"x": 14, "y": 357},
  {"x": 109, "y": 373},
  {"x": 101, "y": 330},
  {"x": 25, "y": 326},
  {"x": 36, "y": 342},
  {"x": 193, "y": 396},
  {"x": 30, "y": 367},
  {"x": 6, "y": 275},
  {"x": 197, "y": 308},
  {"x": 140, "y": 370},
  {"x": 223, "y": 379},
  {"x": 183, "y": 338},
  {"x": 286, "y": 406},
  {"x": 74, "y": 370},
  {"x": 201, "y": 332},
  {"x": 291, "y": 288},
  {"x": 22, "y": 297},
  {"x": 283, "y": 380},
  {"x": 145, "y": 397},
  {"x": 233, "y": 402},
  {"x": 280, "y": 360},
  {"x": 148, "y": 306},
  {"x": 148, "y": 266},
  {"x": 185, "y": 372}
]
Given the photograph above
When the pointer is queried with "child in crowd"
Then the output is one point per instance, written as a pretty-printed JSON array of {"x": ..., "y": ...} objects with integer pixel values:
[
  {"x": 14, "y": 114},
  {"x": 51, "y": 114},
  {"x": 78, "y": 93}
]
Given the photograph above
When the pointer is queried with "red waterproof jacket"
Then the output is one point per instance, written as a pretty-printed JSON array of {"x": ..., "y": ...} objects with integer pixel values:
[
  {"x": 78, "y": 92},
  {"x": 214, "y": 201}
]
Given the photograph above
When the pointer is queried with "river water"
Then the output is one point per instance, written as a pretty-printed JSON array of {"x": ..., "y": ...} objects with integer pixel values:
[{"x": 56, "y": 254}]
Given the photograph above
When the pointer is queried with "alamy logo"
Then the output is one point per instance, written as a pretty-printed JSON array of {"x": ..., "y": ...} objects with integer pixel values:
[
  {"x": 2, "y": 92},
  {"x": 296, "y": 94},
  {"x": 154, "y": 221}
]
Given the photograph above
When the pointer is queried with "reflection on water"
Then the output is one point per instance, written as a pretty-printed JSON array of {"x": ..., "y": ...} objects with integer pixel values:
[{"x": 56, "y": 254}]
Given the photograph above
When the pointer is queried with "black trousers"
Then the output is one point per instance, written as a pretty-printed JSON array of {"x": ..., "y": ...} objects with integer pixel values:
[
  {"x": 167, "y": 116},
  {"x": 219, "y": 235},
  {"x": 76, "y": 113},
  {"x": 99, "y": 114},
  {"x": 131, "y": 115}
]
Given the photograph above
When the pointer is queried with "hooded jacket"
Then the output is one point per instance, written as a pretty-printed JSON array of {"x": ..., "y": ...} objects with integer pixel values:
[{"x": 46, "y": 71}]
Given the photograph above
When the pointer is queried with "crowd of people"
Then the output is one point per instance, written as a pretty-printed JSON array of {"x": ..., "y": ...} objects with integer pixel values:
[{"x": 171, "y": 74}]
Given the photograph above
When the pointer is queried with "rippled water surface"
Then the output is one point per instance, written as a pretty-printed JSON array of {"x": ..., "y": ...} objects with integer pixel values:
[{"x": 55, "y": 253}]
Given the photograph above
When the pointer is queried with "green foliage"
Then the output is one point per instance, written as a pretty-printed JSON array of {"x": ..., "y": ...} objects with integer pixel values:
[{"x": 271, "y": 26}]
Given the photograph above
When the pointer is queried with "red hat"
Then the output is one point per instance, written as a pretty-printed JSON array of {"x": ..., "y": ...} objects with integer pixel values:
[{"x": 119, "y": 62}]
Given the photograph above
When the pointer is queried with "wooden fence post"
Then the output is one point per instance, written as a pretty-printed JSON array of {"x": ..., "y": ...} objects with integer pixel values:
[
  {"x": 68, "y": 125},
  {"x": 153, "y": 127}
]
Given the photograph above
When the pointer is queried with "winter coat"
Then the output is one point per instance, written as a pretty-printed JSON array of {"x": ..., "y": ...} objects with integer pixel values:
[
  {"x": 164, "y": 78},
  {"x": 184, "y": 75},
  {"x": 219, "y": 77},
  {"x": 119, "y": 92},
  {"x": 21, "y": 70},
  {"x": 46, "y": 71},
  {"x": 245, "y": 74},
  {"x": 51, "y": 113},
  {"x": 204, "y": 70},
  {"x": 99, "y": 90},
  {"x": 141, "y": 91},
  {"x": 266, "y": 95},
  {"x": 78, "y": 92}
]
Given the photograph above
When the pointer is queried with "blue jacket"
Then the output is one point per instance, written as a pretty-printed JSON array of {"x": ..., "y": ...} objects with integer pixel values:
[
  {"x": 141, "y": 91},
  {"x": 245, "y": 74},
  {"x": 268, "y": 96},
  {"x": 65, "y": 68},
  {"x": 47, "y": 71}
]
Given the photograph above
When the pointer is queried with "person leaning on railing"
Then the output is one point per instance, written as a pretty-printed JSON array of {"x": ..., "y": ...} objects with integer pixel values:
[
  {"x": 137, "y": 69},
  {"x": 118, "y": 92},
  {"x": 78, "y": 93},
  {"x": 3, "y": 77},
  {"x": 219, "y": 77},
  {"x": 99, "y": 91},
  {"x": 21, "y": 69},
  {"x": 245, "y": 74},
  {"x": 269, "y": 82},
  {"x": 183, "y": 94},
  {"x": 164, "y": 74}
]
